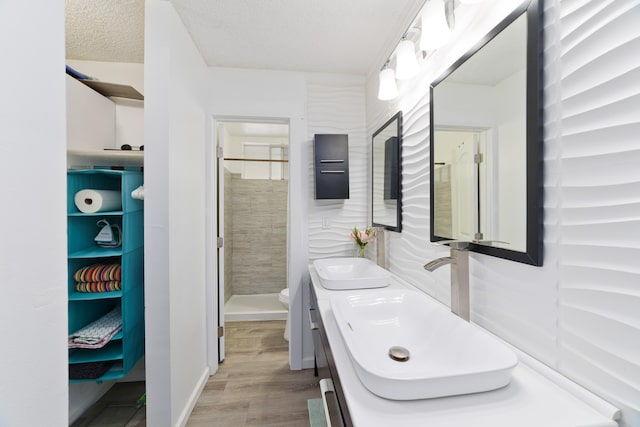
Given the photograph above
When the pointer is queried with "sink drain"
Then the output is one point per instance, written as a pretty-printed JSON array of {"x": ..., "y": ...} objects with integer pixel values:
[{"x": 399, "y": 354}]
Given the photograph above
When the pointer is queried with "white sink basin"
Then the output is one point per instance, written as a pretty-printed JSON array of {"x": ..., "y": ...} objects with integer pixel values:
[
  {"x": 447, "y": 356},
  {"x": 351, "y": 273}
]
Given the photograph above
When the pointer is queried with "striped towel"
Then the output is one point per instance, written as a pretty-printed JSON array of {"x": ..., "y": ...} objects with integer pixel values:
[
  {"x": 99, "y": 273},
  {"x": 111, "y": 286}
]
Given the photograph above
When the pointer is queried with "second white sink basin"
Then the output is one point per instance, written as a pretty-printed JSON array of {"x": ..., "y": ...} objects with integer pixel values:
[
  {"x": 446, "y": 355},
  {"x": 351, "y": 273}
]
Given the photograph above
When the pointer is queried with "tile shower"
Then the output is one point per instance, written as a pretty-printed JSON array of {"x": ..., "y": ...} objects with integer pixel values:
[{"x": 255, "y": 247}]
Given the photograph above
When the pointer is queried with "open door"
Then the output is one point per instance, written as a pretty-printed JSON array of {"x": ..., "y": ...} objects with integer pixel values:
[
  {"x": 220, "y": 206},
  {"x": 465, "y": 186}
]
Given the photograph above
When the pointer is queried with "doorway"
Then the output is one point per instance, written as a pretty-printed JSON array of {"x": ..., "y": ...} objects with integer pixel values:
[
  {"x": 252, "y": 195},
  {"x": 464, "y": 160}
]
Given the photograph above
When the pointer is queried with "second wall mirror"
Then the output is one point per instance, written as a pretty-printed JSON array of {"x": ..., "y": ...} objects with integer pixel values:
[
  {"x": 386, "y": 152},
  {"x": 486, "y": 147}
]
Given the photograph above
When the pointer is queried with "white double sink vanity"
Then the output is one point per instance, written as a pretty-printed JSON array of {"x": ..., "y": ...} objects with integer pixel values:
[{"x": 401, "y": 358}]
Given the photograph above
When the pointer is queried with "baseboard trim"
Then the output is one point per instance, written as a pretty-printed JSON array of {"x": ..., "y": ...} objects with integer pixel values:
[
  {"x": 193, "y": 399},
  {"x": 308, "y": 363}
]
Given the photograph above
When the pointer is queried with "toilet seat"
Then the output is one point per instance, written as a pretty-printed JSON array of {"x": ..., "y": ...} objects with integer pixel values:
[{"x": 283, "y": 297}]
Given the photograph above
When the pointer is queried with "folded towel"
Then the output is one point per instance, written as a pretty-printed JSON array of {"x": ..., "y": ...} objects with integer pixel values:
[
  {"x": 110, "y": 286},
  {"x": 99, "y": 273},
  {"x": 98, "y": 333},
  {"x": 89, "y": 370}
]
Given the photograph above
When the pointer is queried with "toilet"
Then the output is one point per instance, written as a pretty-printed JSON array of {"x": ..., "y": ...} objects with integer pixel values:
[{"x": 284, "y": 300}]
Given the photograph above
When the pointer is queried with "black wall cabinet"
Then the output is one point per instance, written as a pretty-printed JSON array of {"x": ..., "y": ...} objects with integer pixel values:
[{"x": 331, "y": 153}]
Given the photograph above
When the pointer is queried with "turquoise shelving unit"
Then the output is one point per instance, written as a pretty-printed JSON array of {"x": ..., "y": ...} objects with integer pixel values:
[{"x": 127, "y": 347}]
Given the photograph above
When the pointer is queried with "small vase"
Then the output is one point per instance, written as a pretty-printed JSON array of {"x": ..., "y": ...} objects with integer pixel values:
[{"x": 361, "y": 251}]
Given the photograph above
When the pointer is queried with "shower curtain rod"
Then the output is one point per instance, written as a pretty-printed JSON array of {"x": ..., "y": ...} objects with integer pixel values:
[{"x": 255, "y": 160}]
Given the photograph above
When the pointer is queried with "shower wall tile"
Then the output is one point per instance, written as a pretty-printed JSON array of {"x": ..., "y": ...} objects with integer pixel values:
[{"x": 259, "y": 232}]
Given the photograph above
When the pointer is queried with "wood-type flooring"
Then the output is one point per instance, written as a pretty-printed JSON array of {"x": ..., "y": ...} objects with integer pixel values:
[{"x": 254, "y": 386}]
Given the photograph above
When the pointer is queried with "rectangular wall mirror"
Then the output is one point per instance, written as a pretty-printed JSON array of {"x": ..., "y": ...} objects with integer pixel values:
[
  {"x": 486, "y": 147},
  {"x": 386, "y": 155}
]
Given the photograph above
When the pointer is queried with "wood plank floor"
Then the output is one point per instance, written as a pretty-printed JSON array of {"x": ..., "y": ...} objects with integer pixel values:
[
  {"x": 254, "y": 386},
  {"x": 117, "y": 408}
]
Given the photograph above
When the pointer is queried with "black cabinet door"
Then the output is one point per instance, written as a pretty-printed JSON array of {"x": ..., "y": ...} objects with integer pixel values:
[{"x": 331, "y": 160}]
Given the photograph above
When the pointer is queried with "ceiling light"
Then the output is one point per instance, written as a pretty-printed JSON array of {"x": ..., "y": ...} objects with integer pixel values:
[
  {"x": 387, "y": 89},
  {"x": 435, "y": 30},
  {"x": 407, "y": 64}
]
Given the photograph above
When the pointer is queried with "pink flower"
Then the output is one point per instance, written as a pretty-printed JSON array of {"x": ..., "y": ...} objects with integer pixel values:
[{"x": 362, "y": 238}]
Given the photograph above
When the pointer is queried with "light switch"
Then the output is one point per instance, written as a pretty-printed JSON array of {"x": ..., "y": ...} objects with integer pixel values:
[{"x": 326, "y": 223}]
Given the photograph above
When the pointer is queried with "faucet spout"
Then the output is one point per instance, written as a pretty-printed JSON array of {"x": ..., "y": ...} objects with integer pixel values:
[
  {"x": 439, "y": 262},
  {"x": 459, "y": 261}
]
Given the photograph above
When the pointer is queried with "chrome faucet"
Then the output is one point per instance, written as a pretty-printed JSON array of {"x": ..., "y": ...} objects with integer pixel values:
[
  {"x": 459, "y": 261},
  {"x": 380, "y": 256}
]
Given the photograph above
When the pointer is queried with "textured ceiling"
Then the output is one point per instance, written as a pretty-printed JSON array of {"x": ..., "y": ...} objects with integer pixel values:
[
  {"x": 299, "y": 35},
  {"x": 335, "y": 36},
  {"x": 105, "y": 30}
]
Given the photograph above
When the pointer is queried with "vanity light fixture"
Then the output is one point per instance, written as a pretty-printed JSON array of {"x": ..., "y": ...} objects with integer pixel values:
[
  {"x": 387, "y": 86},
  {"x": 407, "y": 64},
  {"x": 438, "y": 20},
  {"x": 435, "y": 25}
]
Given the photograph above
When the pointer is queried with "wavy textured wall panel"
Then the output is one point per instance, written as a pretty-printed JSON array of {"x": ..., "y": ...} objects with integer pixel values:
[
  {"x": 334, "y": 108},
  {"x": 599, "y": 295},
  {"x": 580, "y": 312},
  {"x": 515, "y": 301}
]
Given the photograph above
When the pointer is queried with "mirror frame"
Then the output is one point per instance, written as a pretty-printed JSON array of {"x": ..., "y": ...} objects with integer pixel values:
[
  {"x": 398, "y": 228},
  {"x": 534, "y": 136}
]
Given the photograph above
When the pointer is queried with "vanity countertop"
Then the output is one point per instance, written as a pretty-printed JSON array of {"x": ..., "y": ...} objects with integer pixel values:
[{"x": 530, "y": 400}]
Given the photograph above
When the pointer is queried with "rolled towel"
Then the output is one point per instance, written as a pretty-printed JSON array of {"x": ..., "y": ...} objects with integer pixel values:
[
  {"x": 99, "y": 273},
  {"x": 111, "y": 286}
]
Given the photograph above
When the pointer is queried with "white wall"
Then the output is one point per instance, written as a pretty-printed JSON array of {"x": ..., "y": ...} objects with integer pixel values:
[
  {"x": 338, "y": 108},
  {"x": 91, "y": 118},
  {"x": 298, "y": 97},
  {"x": 512, "y": 161},
  {"x": 579, "y": 312},
  {"x": 129, "y": 114},
  {"x": 177, "y": 128},
  {"x": 33, "y": 307}
]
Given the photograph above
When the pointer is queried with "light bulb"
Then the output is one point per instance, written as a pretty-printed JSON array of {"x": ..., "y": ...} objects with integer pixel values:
[
  {"x": 387, "y": 89},
  {"x": 407, "y": 64},
  {"x": 435, "y": 30}
]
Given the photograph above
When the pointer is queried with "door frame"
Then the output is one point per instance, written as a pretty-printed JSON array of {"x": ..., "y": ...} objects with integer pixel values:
[{"x": 297, "y": 258}]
